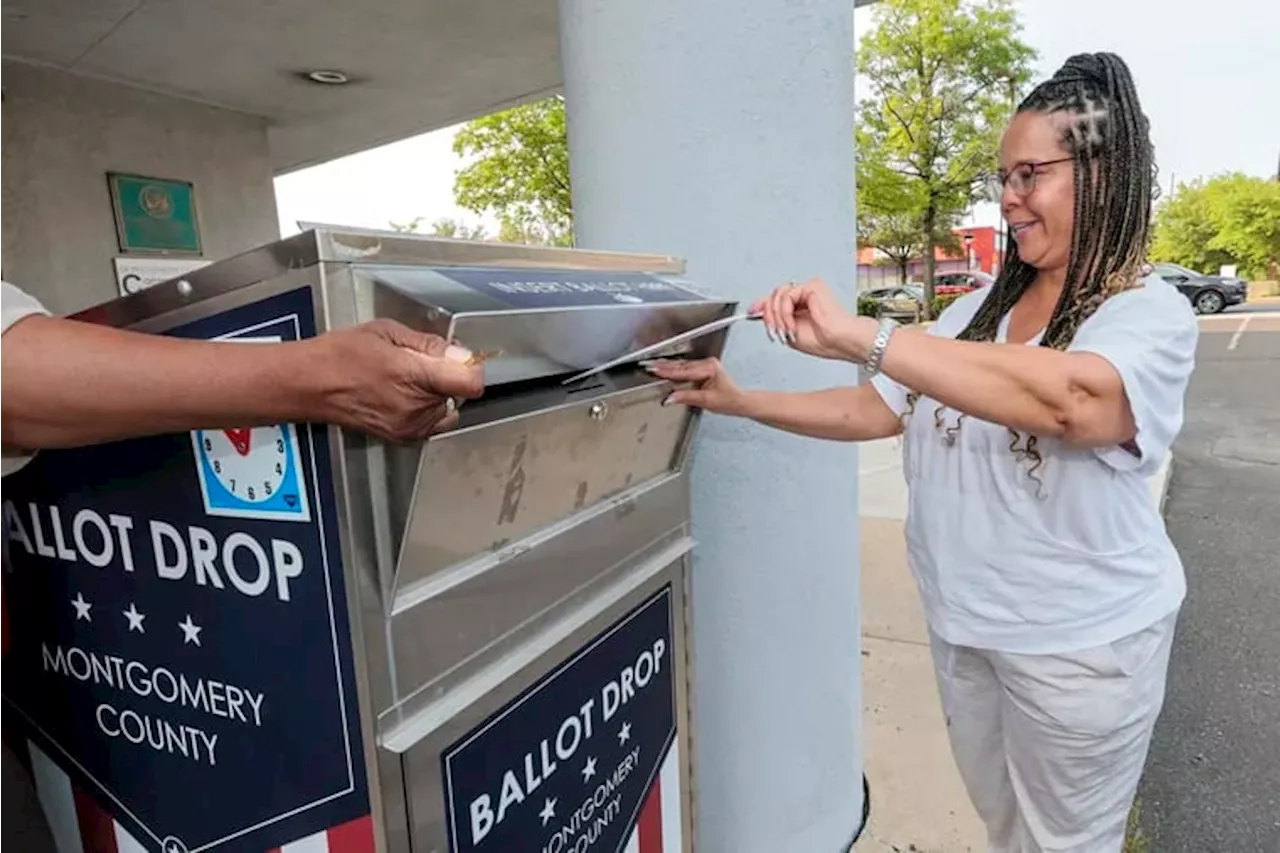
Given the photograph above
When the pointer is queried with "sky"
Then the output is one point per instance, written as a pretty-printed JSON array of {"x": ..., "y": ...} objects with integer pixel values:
[{"x": 1207, "y": 71}]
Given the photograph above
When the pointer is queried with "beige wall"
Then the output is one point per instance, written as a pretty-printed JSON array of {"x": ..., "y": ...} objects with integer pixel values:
[{"x": 63, "y": 133}]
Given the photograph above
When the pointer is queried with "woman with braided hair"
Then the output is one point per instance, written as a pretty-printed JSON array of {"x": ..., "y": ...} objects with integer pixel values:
[{"x": 1033, "y": 413}]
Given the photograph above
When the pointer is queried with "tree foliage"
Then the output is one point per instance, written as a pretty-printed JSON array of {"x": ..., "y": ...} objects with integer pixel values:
[
  {"x": 1228, "y": 219},
  {"x": 520, "y": 172},
  {"x": 891, "y": 212},
  {"x": 942, "y": 77},
  {"x": 901, "y": 238}
]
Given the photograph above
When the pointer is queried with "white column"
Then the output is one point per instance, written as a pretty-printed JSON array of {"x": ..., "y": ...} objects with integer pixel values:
[{"x": 722, "y": 132}]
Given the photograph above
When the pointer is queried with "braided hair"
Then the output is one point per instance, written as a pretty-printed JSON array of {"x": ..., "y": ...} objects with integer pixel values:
[{"x": 1108, "y": 136}]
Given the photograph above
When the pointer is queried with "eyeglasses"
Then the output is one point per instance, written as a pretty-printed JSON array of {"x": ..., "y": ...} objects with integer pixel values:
[{"x": 1021, "y": 179}]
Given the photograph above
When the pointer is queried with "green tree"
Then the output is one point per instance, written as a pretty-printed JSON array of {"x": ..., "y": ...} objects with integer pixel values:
[
  {"x": 942, "y": 77},
  {"x": 901, "y": 238},
  {"x": 891, "y": 213},
  {"x": 520, "y": 172},
  {"x": 1228, "y": 219},
  {"x": 890, "y": 216},
  {"x": 896, "y": 236}
]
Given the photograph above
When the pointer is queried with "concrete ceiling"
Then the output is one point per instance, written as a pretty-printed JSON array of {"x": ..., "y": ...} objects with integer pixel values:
[{"x": 416, "y": 65}]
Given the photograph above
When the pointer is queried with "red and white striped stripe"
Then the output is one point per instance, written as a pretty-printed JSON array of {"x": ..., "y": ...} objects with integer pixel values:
[
  {"x": 353, "y": 837},
  {"x": 659, "y": 829},
  {"x": 80, "y": 825}
]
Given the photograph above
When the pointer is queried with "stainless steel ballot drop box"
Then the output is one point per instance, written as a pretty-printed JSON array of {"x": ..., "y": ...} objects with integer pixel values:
[{"x": 298, "y": 638}]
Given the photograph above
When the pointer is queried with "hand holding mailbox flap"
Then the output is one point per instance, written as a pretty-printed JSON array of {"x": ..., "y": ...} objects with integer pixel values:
[
  {"x": 395, "y": 383},
  {"x": 810, "y": 318}
]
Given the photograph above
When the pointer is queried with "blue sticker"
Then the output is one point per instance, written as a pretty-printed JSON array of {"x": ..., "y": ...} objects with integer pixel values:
[
  {"x": 584, "y": 759},
  {"x": 535, "y": 288},
  {"x": 179, "y": 645},
  {"x": 253, "y": 472}
]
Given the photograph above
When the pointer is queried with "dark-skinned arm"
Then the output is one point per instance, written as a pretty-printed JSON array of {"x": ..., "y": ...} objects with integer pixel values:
[{"x": 68, "y": 383}]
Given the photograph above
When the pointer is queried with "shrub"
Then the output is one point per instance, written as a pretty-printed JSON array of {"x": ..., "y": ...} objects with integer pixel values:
[
  {"x": 940, "y": 303},
  {"x": 867, "y": 307}
]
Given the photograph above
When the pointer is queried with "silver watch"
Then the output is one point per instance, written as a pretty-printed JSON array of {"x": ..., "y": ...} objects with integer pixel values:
[{"x": 881, "y": 343}]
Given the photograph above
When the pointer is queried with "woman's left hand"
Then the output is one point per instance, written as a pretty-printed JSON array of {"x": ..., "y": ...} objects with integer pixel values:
[{"x": 810, "y": 318}]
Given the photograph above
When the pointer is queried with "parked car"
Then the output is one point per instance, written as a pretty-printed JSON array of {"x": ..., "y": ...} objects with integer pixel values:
[
  {"x": 1209, "y": 294},
  {"x": 903, "y": 299},
  {"x": 955, "y": 283},
  {"x": 901, "y": 292}
]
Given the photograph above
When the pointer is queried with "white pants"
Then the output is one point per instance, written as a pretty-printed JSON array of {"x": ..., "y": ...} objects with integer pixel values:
[{"x": 1051, "y": 747}]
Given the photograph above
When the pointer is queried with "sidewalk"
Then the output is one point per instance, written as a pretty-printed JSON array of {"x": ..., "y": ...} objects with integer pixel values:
[{"x": 918, "y": 803}]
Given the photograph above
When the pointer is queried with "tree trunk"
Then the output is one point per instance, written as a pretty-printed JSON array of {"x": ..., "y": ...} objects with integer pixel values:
[
  {"x": 930, "y": 222},
  {"x": 902, "y": 269}
]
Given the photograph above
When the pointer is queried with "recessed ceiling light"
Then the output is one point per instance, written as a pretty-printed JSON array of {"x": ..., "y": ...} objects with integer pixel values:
[{"x": 328, "y": 77}]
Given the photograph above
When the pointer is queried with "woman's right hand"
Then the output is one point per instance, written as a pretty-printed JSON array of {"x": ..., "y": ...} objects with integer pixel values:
[{"x": 712, "y": 389}]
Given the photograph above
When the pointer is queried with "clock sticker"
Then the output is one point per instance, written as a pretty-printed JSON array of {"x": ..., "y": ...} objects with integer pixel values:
[{"x": 252, "y": 473}]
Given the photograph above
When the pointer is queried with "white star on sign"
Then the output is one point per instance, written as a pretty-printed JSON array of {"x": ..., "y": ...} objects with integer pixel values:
[
  {"x": 135, "y": 619},
  {"x": 624, "y": 734},
  {"x": 190, "y": 631},
  {"x": 589, "y": 770},
  {"x": 548, "y": 811},
  {"x": 82, "y": 608}
]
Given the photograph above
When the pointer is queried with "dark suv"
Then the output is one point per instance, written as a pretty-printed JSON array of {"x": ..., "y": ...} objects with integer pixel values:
[{"x": 1209, "y": 294}]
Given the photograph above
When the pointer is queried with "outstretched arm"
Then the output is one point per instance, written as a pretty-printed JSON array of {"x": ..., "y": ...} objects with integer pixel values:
[
  {"x": 1120, "y": 382},
  {"x": 840, "y": 414},
  {"x": 1074, "y": 396},
  {"x": 68, "y": 383}
]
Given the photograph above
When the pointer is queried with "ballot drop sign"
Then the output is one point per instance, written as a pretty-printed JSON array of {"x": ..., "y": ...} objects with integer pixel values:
[
  {"x": 584, "y": 761},
  {"x": 178, "y": 646}
]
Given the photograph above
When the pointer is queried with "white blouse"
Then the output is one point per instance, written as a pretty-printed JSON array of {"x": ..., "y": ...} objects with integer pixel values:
[{"x": 1076, "y": 555}]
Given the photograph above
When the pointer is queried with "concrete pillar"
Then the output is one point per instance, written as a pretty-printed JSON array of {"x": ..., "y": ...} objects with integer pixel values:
[{"x": 722, "y": 132}]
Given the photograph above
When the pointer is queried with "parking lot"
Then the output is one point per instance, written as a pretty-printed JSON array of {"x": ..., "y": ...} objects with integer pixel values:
[{"x": 1213, "y": 779}]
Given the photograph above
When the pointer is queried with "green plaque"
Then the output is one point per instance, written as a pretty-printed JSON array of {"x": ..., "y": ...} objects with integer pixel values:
[{"x": 154, "y": 214}]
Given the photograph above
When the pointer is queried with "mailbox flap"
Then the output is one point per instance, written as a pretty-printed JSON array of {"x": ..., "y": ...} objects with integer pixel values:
[
  {"x": 479, "y": 489},
  {"x": 537, "y": 324}
]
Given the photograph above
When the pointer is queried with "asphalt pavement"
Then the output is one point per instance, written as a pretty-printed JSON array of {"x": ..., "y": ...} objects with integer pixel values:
[
  {"x": 1212, "y": 783},
  {"x": 1258, "y": 307}
]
